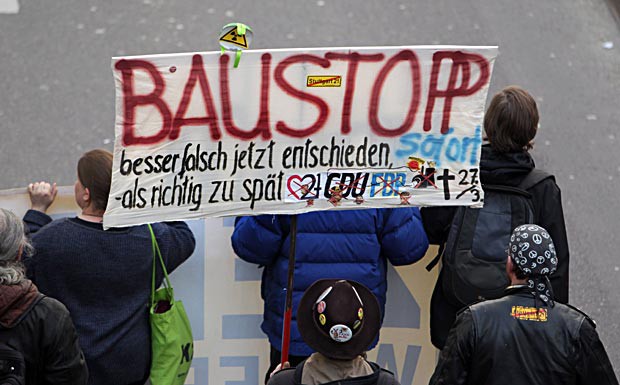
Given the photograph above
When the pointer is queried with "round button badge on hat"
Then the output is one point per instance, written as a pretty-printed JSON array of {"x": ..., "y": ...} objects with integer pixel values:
[{"x": 340, "y": 333}]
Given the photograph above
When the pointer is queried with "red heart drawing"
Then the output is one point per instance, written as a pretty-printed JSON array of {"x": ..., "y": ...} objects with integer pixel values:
[{"x": 296, "y": 188}]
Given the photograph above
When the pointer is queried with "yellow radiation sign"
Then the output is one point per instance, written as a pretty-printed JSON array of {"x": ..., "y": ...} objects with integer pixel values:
[{"x": 233, "y": 37}]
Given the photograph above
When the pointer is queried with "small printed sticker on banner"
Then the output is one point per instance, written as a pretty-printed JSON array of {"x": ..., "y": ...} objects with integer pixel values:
[{"x": 324, "y": 81}]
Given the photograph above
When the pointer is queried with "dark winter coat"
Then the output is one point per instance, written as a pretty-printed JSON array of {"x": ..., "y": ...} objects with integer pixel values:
[
  {"x": 104, "y": 279},
  {"x": 519, "y": 340},
  {"x": 351, "y": 244},
  {"x": 508, "y": 170},
  {"x": 40, "y": 328}
]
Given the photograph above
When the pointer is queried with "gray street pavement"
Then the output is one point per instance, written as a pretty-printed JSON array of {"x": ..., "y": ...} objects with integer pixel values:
[{"x": 57, "y": 97}]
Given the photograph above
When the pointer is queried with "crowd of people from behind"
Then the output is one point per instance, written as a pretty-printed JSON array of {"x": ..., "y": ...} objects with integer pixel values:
[{"x": 74, "y": 297}]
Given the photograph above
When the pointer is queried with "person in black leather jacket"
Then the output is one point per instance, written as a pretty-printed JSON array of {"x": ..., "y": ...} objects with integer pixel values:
[
  {"x": 510, "y": 124},
  {"x": 37, "y": 327},
  {"x": 525, "y": 337}
]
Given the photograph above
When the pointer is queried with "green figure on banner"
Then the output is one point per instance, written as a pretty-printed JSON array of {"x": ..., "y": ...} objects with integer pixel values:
[{"x": 235, "y": 37}]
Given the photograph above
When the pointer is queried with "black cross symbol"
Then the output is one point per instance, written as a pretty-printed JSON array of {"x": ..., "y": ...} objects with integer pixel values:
[{"x": 446, "y": 177}]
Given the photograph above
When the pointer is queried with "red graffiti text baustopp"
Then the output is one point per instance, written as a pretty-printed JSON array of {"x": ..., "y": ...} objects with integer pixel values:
[{"x": 218, "y": 115}]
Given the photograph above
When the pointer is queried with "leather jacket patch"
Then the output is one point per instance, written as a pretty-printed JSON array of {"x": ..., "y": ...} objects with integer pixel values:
[{"x": 524, "y": 313}]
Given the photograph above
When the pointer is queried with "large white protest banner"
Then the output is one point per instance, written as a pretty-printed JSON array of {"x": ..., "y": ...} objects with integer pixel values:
[{"x": 297, "y": 130}]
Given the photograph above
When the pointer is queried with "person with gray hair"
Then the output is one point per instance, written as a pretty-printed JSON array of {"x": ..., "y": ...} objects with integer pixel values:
[
  {"x": 13, "y": 244},
  {"x": 38, "y": 341}
]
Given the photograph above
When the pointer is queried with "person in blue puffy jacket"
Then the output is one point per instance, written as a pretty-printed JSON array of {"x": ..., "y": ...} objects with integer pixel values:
[{"x": 353, "y": 244}]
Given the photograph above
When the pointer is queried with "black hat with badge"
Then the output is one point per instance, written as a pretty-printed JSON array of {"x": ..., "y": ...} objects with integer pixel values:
[{"x": 338, "y": 318}]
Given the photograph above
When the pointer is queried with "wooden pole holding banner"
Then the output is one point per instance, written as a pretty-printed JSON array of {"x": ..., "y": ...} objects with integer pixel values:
[{"x": 288, "y": 308}]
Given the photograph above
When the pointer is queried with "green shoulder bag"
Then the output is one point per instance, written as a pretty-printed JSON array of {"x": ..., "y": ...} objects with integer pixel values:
[{"x": 172, "y": 343}]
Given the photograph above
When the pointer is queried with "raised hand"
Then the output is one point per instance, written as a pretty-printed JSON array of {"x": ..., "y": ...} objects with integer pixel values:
[{"x": 42, "y": 195}]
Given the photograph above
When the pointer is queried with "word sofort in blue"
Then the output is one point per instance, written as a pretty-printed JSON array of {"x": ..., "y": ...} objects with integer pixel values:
[{"x": 440, "y": 147}]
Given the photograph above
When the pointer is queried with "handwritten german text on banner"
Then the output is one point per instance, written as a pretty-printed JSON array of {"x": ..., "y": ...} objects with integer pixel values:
[{"x": 297, "y": 130}]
